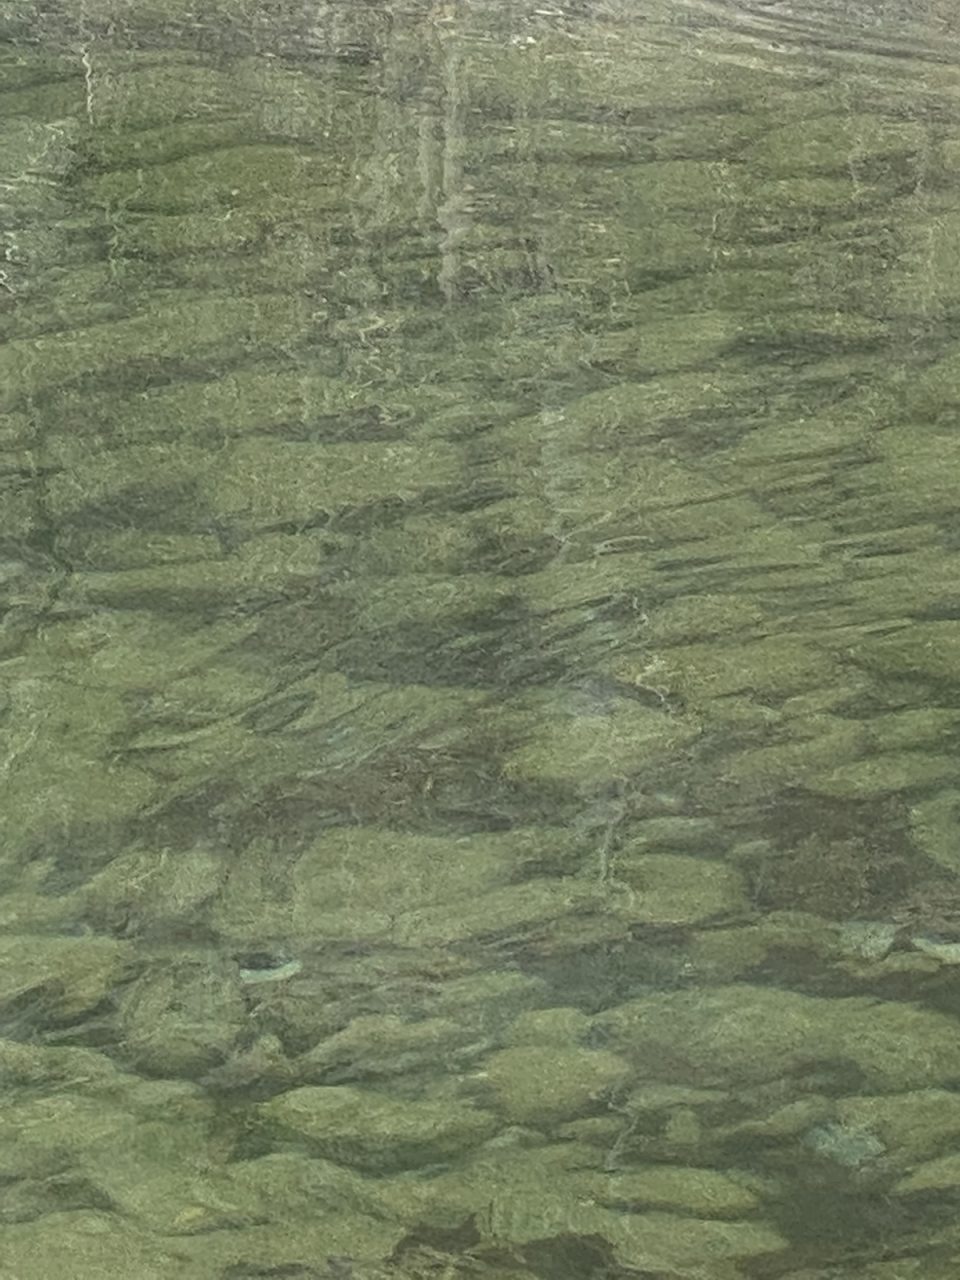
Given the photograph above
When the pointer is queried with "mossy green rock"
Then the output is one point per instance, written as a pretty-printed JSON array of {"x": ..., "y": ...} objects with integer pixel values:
[
  {"x": 56, "y": 786},
  {"x": 530, "y": 906},
  {"x": 544, "y": 1084},
  {"x": 736, "y": 1034},
  {"x": 61, "y": 978},
  {"x": 912, "y": 1126},
  {"x": 672, "y": 889},
  {"x": 238, "y": 402},
  {"x": 379, "y": 1045},
  {"x": 555, "y": 1191},
  {"x": 291, "y": 1183},
  {"x": 151, "y": 888},
  {"x": 703, "y": 617},
  {"x": 583, "y": 751},
  {"x": 882, "y": 774},
  {"x": 88, "y": 1244},
  {"x": 374, "y": 1131},
  {"x": 664, "y": 344},
  {"x": 46, "y": 1134},
  {"x": 359, "y": 881},
  {"x": 775, "y": 667},
  {"x": 175, "y": 328},
  {"x": 935, "y": 824},
  {"x": 162, "y": 1175},
  {"x": 562, "y": 1026},
  {"x": 832, "y": 143},
  {"x": 707, "y": 1193},
  {"x": 271, "y": 179},
  {"x": 488, "y": 1001},
  {"x": 179, "y": 1019},
  {"x": 264, "y": 482},
  {"x": 932, "y": 1176},
  {"x": 292, "y": 1243},
  {"x": 32, "y": 1066}
]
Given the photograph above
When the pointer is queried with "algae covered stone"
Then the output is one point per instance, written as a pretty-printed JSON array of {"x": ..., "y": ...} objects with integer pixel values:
[
  {"x": 150, "y": 888},
  {"x": 266, "y": 481},
  {"x": 375, "y": 1131},
  {"x": 543, "y": 1084},
  {"x": 935, "y": 824},
  {"x": 736, "y": 1034},
  {"x": 708, "y": 1193},
  {"x": 935, "y": 1175},
  {"x": 376, "y": 1045},
  {"x": 52, "y": 979},
  {"x": 672, "y": 889},
  {"x": 558, "y": 903},
  {"x": 521, "y": 1195},
  {"x": 912, "y": 1126},
  {"x": 182, "y": 1018},
  {"x": 90, "y": 1244},
  {"x": 559, "y": 1026},
  {"x": 585, "y": 750},
  {"x": 359, "y": 881},
  {"x": 172, "y": 330}
]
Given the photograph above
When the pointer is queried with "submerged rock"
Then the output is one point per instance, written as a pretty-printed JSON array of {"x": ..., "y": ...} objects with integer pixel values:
[
  {"x": 912, "y": 1126},
  {"x": 46, "y": 980},
  {"x": 535, "y": 1084},
  {"x": 521, "y": 1196},
  {"x": 381, "y": 1045},
  {"x": 934, "y": 1175},
  {"x": 375, "y": 1131},
  {"x": 706, "y": 1193},
  {"x": 586, "y": 750},
  {"x": 670, "y": 889},
  {"x": 845, "y": 1145},
  {"x": 737, "y": 1034},
  {"x": 182, "y": 1017}
]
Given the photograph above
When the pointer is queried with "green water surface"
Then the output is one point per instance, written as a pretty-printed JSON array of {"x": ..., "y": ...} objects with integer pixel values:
[{"x": 479, "y": 640}]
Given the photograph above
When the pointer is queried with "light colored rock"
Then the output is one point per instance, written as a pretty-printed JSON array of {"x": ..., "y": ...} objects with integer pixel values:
[
  {"x": 848, "y": 1146},
  {"x": 869, "y": 939},
  {"x": 947, "y": 953}
]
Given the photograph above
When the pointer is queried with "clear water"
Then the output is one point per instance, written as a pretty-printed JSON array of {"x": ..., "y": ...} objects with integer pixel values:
[{"x": 480, "y": 641}]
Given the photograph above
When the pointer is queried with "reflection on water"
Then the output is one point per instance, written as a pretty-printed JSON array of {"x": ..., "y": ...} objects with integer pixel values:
[{"x": 480, "y": 642}]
